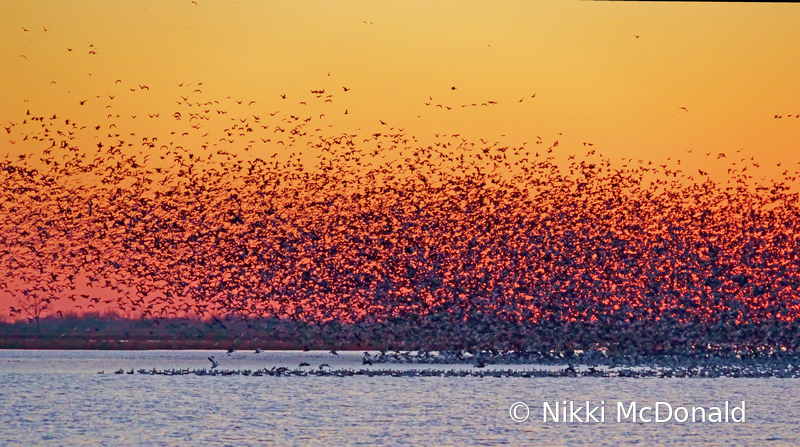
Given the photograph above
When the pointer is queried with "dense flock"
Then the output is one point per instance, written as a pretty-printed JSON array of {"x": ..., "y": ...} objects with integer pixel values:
[{"x": 224, "y": 210}]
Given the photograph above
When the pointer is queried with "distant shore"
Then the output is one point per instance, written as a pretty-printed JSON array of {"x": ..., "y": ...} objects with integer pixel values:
[
  {"x": 553, "y": 340},
  {"x": 137, "y": 344}
]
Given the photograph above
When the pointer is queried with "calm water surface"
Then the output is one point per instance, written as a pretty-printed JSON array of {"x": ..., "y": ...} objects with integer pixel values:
[{"x": 57, "y": 398}]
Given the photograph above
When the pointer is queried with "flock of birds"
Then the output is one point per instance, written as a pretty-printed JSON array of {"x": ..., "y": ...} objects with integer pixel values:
[
  {"x": 595, "y": 364},
  {"x": 267, "y": 215},
  {"x": 700, "y": 372},
  {"x": 579, "y": 363}
]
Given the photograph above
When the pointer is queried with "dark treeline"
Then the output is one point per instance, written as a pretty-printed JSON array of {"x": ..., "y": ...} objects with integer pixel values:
[{"x": 430, "y": 332}]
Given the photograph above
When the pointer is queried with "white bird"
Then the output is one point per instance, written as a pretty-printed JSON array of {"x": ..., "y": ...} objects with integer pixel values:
[{"x": 214, "y": 363}]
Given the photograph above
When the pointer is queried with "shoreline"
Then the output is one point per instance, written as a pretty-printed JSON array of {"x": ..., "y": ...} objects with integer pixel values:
[
  {"x": 690, "y": 362},
  {"x": 628, "y": 373}
]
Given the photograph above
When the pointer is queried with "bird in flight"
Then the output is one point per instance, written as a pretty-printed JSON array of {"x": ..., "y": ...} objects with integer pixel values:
[
  {"x": 25, "y": 29},
  {"x": 636, "y": 36},
  {"x": 346, "y": 89},
  {"x": 683, "y": 108}
]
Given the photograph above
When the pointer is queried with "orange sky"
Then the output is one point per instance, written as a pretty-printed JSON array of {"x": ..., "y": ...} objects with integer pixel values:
[{"x": 732, "y": 66}]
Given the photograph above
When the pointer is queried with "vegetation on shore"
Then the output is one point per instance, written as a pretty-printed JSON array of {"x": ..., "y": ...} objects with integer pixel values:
[{"x": 431, "y": 332}]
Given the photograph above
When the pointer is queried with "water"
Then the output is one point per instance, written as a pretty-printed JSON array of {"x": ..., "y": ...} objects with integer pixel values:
[{"x": 57, "y": 398}]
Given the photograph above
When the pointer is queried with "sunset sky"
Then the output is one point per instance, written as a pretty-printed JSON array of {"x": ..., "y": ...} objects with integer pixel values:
[{"x": 613, "y": 74}]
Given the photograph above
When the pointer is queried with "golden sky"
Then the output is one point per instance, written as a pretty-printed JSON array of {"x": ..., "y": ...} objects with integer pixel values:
[{"x": 733, "y": 67}]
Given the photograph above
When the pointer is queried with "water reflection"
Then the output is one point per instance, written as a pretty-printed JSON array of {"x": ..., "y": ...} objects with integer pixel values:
[{"x": 56, "y": 397}]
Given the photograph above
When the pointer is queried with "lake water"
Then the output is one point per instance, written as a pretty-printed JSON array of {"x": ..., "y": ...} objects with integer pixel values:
[{"x": 58, "y": 398}]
